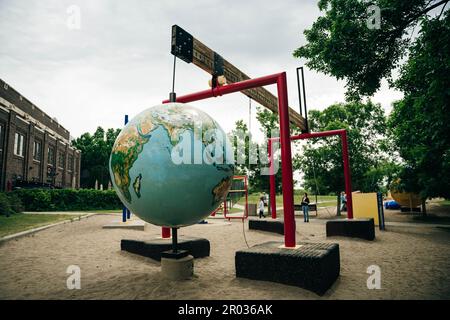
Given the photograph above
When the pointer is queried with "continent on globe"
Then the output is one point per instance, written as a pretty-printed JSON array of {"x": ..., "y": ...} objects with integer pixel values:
[
  {"x": 137, "y": 185},
  {"x": 155, "y": 187},
  {"x": 221, "y": 189}
]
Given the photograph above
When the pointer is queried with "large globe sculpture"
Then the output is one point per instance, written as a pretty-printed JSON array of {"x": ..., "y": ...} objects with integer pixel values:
[{"x": 172, "y": 165}]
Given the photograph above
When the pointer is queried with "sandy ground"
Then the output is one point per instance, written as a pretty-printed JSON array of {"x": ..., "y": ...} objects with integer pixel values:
[{"x": 414, "y": 262}]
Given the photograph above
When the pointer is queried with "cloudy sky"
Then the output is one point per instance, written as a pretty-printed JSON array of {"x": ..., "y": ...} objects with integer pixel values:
[{"x": 119, "y": 61}]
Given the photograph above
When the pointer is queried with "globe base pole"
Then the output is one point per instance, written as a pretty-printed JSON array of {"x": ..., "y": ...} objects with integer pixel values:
[
  {"x": 176, "y": 264},
  {"x": 174, "y": 240},
  {"x": 175, "y": 252}
]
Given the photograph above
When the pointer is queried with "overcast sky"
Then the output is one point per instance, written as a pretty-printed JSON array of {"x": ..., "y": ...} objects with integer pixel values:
[{"x": 119, "y": 62}]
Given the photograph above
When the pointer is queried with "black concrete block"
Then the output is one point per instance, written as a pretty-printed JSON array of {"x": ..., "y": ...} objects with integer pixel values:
[
  {"x": 313, "y": 266},
  {"x": 197, "y": 247},
  {"x": 269, "y": 225},
  {"x": 356, "y": 228}
]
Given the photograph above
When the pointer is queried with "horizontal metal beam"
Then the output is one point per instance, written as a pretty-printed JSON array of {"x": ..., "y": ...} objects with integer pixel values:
[{"x": 190, "y": 49}]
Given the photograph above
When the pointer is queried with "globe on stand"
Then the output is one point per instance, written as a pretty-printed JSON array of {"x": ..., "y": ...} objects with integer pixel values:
[{"x": 172, "y": 165}]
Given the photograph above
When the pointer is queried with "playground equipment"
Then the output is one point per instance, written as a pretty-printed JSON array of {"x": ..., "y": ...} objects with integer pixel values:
[
  {"x": 239, "y": 187},
  {"x": 407, "y": 200},
  {"x": 311, "y": 266},
  {"x": 286, "y": 158},
  {"x": 369, "y": 205},
  {"x": 348, "y": 185}
]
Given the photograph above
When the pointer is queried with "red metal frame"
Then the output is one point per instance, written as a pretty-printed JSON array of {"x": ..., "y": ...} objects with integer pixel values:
[
  {"x": 165, "y": 233},
  {"x": 225, "y": 211},
  {"x": 286, "y": 157},
  {"x": 345, "y": 159}
]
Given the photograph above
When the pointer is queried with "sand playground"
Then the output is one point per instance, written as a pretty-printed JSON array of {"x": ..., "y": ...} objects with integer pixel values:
[{"x": 414, "y": 263}]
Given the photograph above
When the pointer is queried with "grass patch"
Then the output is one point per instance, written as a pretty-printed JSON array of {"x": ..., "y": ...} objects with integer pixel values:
[
  {"x": 445, "y": 203},
  {"x": 20, "y": 222},
  {"x": 327, "y": 204},
  {"x": 235, "y": 210},
  {"x": 324, "y": 201}
]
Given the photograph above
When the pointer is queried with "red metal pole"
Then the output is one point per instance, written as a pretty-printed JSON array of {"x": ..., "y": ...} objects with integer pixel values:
[
  {"x": 225, "y": 209},
  {"x": 229, "y": 88},
  {"x": 348, "y": 181},
  {"x": 246, "y": 197},
  {"x": 165, "y": 232},
  {"x": 272, "y": 193},
  {"x": 318, "y": 134},
  {"x": 286, "y": 162}
]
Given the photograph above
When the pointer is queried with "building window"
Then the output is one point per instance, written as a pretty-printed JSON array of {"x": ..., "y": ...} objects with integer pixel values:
[
  {"x": 61, "y": 160},
  {"x": 71, "y": 163},
  {"x": 37, "y": 150},
  {"x": 18, "y": 144},
  {"x": 51, "y": 155}
]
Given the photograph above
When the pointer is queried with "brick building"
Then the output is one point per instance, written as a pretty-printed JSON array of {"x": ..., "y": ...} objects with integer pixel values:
[{"x": 35, "y": 149}]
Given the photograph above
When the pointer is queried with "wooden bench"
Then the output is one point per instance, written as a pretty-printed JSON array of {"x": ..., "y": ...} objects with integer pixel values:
[{"x": 311, "y": 206}]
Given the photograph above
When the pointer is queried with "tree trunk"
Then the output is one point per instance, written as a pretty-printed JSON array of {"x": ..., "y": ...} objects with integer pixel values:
[
  {"x": 424, "y": 207},
  {"x": 338, "y": 211}
]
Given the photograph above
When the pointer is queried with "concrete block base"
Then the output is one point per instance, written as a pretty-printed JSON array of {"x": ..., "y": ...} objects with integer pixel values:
[
  {"x": 177, "y": 269},
  {"x": 356, "y": 228},
  {"x": 312, "y": 266},
  {"x": 267, "y": 224},
  {"x": 197, "y": 247}
]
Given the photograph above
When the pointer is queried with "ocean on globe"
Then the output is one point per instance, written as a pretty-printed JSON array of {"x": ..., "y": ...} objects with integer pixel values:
[{"x": 172, "y": 165}]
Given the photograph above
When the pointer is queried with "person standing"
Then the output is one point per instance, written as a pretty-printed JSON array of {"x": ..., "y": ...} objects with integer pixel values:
[
  {"x": 305, "y": 207},
  {"x": 261, "y": 207},
  {"x": 343, "y": 201}
]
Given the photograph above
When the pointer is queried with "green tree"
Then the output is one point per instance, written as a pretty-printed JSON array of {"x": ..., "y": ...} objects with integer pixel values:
[
  {"x": 240, "y": 135},
  {"x": 341, "y": 44},
  {"x": 95, "y": 150},
  {"x": 321, "y": 158},
  {"x": 420, "y": 121}
]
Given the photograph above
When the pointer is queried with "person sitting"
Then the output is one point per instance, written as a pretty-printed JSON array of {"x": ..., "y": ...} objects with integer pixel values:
[{"x": 305, "y": 207}]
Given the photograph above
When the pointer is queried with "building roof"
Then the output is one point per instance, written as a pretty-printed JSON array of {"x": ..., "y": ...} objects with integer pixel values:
[{"x": 17, "y": 99}]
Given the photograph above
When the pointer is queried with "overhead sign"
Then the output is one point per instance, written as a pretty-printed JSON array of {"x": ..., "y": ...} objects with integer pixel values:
[{"x": 189, "y": 49}]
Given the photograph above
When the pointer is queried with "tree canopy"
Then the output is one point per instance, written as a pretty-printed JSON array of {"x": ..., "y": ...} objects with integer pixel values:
[
  {"x": 341, "y": 44},
  {"x": 95, "y": 151},
  {"x": 420, "y": 122},
  {"x": 321, "y": 158}
]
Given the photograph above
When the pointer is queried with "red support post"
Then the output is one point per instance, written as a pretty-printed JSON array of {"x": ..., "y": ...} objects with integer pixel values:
[
  {"x": 225, "y": 209},
  {"x": 348, "y": 181},
  {"x": 246, "y": 197},
  {"x": 286, "y": 162},
  {"x": 272, "y": 191},
  {"x": 165, "y": 233}
]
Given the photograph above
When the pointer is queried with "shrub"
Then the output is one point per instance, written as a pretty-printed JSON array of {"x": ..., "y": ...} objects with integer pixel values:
[
  {"x": 15, "y": 202},
  {"x": 67, "y": 199},
  {"x": 5, "y": 206}
]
